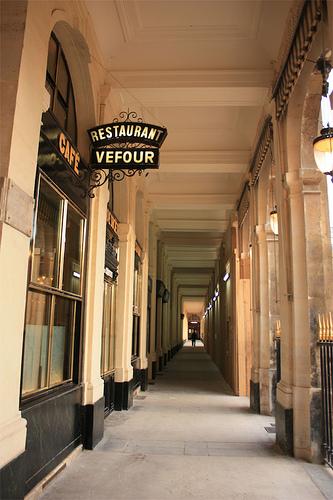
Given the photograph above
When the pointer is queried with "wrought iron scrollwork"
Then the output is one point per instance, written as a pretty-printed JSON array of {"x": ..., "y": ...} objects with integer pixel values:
[
  {"x": 128, "y": 116},
  {"x": 98, "y": 177}
]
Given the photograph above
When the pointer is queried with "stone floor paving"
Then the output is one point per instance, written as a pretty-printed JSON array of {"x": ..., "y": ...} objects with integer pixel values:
[{"x": 188, "y": 437}]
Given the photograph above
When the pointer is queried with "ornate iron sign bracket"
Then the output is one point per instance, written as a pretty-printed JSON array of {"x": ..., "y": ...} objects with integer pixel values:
[{"x": 123, "y": 148}]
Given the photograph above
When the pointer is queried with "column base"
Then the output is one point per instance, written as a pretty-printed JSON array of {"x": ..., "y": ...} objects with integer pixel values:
[
  {"x": 144, "y": 379},
  {"x": 284, "y": 428},
  {"x": 123, "y": 395},
  {"x": 153, "y": 370},
  {"x": 255, "y": 396},
  {"x": 160, "y": 363},
  {"x": 12, "y": 479},
  {"x": 92, "y": 421},
  {"x": 169, "y": 354},
  {"x": 165, "y": 358}
]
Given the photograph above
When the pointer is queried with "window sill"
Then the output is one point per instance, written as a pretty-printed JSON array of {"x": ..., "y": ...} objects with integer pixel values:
[{"x": 58, "y": 391}]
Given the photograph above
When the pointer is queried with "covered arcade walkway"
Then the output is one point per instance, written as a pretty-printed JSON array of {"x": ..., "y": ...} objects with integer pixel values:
[{"x": 188, "y": 437}]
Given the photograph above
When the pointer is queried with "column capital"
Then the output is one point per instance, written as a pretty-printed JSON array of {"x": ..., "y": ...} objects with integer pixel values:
[
  {"x": 261, "y": 232},
  {"x": 125, "y": 231}
]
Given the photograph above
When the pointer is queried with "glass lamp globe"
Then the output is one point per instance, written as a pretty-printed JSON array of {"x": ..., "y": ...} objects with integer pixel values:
[
  {"x": 323, "y": 150},
  {"x": 273, "y": 219}
]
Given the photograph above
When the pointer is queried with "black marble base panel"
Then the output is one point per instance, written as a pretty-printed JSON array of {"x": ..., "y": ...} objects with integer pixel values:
[
  {"x": 255, "y": 396},
  {"x": 153, "y": 369},
  {"x": 92, "y": 421},
  {"x": 53, "y": 432},
  {"x": 284, "y": 428},
  {"x": 12, "y": 479},
  {"x": 123, "y": 395},
  {"x": 160, "y": 363},
  {"x": 144, "y": 379}
]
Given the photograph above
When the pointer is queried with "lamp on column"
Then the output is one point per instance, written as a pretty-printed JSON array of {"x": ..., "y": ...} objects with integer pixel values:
[
  {"x": 273, "y": 219},
  {"x": 323, "y": 144},
  {"x": 323, "y": 151}
]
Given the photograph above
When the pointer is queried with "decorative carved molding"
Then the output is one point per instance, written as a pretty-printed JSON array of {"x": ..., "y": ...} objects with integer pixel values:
[
  {"x": 305, "y": 30},
  {"x": 243, "y": 205},
  {"x": 263, "y": 144}
]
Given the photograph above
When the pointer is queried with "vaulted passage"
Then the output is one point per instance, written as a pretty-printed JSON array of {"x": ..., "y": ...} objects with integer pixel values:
[
  {"x": 188, "y": 437},
  {"x": 162, "y": 183}
]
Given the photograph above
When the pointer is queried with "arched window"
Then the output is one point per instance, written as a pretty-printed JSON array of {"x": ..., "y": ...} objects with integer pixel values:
[{"x": 59, "y": 86}]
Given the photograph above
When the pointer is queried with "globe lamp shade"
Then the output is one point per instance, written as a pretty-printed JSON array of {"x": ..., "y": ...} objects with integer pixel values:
[
  {"x": 323, "y": 150},
  {"x": 273, "y": 219}
]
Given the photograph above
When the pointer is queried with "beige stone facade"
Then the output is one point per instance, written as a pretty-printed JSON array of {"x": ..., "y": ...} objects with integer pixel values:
[{"x": 192, "y": 239}]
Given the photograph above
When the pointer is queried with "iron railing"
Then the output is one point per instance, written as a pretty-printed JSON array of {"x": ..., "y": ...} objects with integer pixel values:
[{"x": 325, "y": 324}]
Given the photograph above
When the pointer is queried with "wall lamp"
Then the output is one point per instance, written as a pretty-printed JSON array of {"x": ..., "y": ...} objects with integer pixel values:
[
  {"x": 323, "y": 144},
  {"x": 273, "y": 219},
  {"x": 323, "y": 151}
]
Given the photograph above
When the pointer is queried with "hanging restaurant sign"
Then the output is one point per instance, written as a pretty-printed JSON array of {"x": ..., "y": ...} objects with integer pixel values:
[
  {"x": 130, "y": 132},
  {"x": 123, "y": 148},
  {"x": 125, "y": 158}
]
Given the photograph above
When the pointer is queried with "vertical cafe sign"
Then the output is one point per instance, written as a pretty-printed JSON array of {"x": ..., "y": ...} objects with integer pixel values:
[{"x": 123, "y": 148}]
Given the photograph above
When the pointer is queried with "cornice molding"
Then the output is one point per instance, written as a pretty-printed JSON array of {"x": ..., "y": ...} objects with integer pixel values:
[
  {"x": 304, "y": 34},
  {"x": 192, "y": 78}
]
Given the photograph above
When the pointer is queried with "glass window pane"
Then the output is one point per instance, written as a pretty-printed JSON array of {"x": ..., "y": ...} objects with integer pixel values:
[
  {"x": 113, "y": 328},
  {"x": 52, "y": 59},
  {"x": 71, "y": 118},
  {"x": 62, "y": 337},
  {"x": 60, "y": 111},
  {"x": 47, "y": 235},
  {"x": 36, "y": 342},
  {"x": 62, "y": 78},
  {"x": 106, "y": 329},
  {"x": 73, "y": 252},
  {"x": 50, "y": 90}
]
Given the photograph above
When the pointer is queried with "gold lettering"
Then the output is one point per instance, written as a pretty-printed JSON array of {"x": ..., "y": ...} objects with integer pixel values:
[
  {"x": 101, "y": 133},
  {"x": 108, "y": 131},
  {"x": 76, "y": 163},
  {"x": 122, "y": 131},
  {"x": 138, "y": 156},
  {"x": 99, "y": 156},
  {"x": 118, "y": 156},
  {"x": 152, "y": 133},
  {"x": 150, "y": 156},
  {"x": 109, "y": 157},
  {"x": 94, "y": 135},
  {"x": 137, "y": 131},
  {"x": 130, "y": 129},
  {"x": 66, "y": 155},
  {"x": 62, "y": 143},
  {"x": 72, "y": 156},
  {"x": 159, "y": 132},
  {"x": 144, "y": 133},
  {"x": 127, "y": 156}
]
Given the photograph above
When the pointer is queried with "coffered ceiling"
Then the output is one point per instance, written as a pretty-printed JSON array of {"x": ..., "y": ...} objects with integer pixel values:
[{"x": 203, "y": 69}]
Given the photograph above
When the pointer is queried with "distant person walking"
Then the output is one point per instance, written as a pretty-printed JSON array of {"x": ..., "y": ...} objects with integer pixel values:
[{"x": 193, "y": 338}]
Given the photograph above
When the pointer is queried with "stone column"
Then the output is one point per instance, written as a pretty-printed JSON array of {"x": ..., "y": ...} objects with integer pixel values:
[
  {"x": 93, "y": 385},
  {"x": 18, "y": 155},
  {"x": 283, "y": 408},
  {"x": 124, "y": 318},
  {"x": 309, "y": 298},
  {"x": 152, "y": 357},
  {"x": 255, "y": 302},
  {"x": 265, "y": 371},
  {"x": 143, "y": 360}
]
